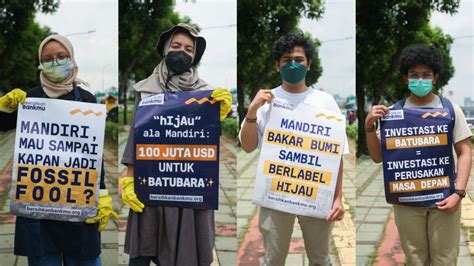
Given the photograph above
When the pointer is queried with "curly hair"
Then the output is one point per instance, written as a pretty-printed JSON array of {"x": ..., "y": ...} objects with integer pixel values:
[
  {"x": 287, "y": 42},
  {"x": 421, "y": 54}
]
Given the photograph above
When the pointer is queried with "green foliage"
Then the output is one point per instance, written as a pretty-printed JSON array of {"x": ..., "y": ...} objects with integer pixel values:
[
  {"x": 128, "y": 117},
  {"x": 230, "y": 128},
  {"x": 260, "y": 24},
  {"x": 111, "y": 132},
  {"x": 141, "y": 23},
  {"x": 19, "y": 42},
  {"x": 351, "y": 131}
]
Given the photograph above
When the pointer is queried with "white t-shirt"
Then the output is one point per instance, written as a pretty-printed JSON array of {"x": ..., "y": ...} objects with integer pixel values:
[{"x": 311, "y": 96}]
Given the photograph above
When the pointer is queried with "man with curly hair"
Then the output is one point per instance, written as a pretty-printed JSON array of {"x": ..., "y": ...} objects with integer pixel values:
[
  {"x": 293, "y": 54},
  {"x": 429, "y": 235}
]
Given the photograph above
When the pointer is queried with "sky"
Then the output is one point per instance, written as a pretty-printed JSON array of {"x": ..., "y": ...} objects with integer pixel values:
[
  {"x": 217, "y": 20},
  {"x": 460, "y": 24},
  {"x": 96, "y": 52},
  {"x": 337, "y": 56}
]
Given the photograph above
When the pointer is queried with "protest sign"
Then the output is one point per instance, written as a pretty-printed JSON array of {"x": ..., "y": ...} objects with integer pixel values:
[
  {"x": 299, "y": 159},
  {"x": 177, "y": 150},
  {"x": 417, "y": 156},
  {"x": 57, "y": 160}
]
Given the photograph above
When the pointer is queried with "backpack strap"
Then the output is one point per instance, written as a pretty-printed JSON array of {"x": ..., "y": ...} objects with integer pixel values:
[
  {"x": 400, "y": 104},
  {"x": 447, "y": 104},
  {"x": 77, "y": 93}
]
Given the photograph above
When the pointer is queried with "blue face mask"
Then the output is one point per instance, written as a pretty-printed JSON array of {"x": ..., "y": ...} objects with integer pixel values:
[
  {"x": 293, "y": 72},
  {"x": 420, "y": 87}
]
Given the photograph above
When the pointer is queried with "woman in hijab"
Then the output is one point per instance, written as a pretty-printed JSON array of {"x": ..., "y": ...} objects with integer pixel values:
[
  {"x": 168, "y": 235},
  {"x": 51, "y": 242}
]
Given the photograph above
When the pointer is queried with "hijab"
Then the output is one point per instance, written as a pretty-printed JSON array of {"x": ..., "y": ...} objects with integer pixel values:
[{"x": 52, "y": 88}]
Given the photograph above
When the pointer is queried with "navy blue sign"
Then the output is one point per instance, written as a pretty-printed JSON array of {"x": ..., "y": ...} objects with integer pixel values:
[
  {"x": 177, "y": 150},
  {"x": 418, "y": 162}
]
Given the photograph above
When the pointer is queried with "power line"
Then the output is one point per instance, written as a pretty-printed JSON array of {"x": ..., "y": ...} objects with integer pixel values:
[
  {"x": 339, "y": 39},
  {"x": 80, "y": 33},
  {"x": 463, "y": 37},
  {"x": 219, "y": 27}
]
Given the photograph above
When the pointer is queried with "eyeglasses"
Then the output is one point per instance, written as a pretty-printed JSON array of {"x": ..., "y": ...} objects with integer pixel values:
[
  {"x": 60, "y": 60},
  {"x": 420, "y": 75}
]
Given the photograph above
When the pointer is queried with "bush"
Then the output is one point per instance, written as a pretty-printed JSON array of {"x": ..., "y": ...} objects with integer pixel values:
[
  {"x": 351, "y": 132},
  {"x": 230, "y": 128},
  {"x": 111, "y": 131}
]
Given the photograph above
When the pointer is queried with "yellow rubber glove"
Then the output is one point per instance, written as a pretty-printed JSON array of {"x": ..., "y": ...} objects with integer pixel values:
[
  {"x": 225, "y": 97},
  {"x": 10, "y": 101},
  {"x": 104, "y": 211},
  {"x": 128, "y": 194}
]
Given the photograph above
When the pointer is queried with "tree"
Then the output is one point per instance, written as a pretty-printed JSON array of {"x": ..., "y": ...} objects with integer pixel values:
[
  {"x": 141, "y": 23},
  {"x": 260, "y": 24},
  {"x": 384, "y": 28},
  {"x": 19, "y": 42}
]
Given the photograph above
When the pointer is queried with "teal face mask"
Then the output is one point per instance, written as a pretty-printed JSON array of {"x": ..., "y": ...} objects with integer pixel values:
[
  {"x": 420, "y": 87},
  {"x": 293, "y": 72}
]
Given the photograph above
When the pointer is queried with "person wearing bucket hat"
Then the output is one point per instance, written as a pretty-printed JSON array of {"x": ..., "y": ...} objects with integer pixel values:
[
  {"x": 167, "y": 235},
  {"x": 48, "y": 242}
]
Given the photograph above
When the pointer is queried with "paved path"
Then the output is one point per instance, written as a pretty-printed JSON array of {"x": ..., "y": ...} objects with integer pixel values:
[
  {"x": 225, "y": 217},
  {"x": 7, "y": 221},
  {"x": 251, "y": 247},
  {"x": 378, "y": 242}
]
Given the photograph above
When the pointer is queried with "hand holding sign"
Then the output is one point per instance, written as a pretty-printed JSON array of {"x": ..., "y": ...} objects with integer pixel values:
[
  {"x": 337, "y": 211},
  {"x": 128, "y": 194},
  {"x": 449, "y": 204},
  {"x": 225, "y": 98},
  {"x": 262, "y": 97},
  {"x": 376, "y": 113},
  {"x": 105, "y": 211}
]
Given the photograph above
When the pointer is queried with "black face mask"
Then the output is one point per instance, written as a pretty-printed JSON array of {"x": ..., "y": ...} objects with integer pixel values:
[{"x": 178, "y": 61}]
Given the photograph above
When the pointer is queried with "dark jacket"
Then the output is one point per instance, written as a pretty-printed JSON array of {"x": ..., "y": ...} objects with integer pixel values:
[{"x": 35, "y": 237}]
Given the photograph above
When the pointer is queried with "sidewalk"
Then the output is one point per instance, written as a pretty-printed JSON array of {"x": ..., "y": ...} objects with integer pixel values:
[
  {"x": 225, "y": 217},
  {"x": 7, "y": 221},
  {"x": 378, "y": 242},
  {"x": 251, "y": 249}
]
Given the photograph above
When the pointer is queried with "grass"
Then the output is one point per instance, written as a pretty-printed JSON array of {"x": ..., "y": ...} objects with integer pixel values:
[
  {"x": 245, "y": 228},
  {"x": 129, "y": 117},
  {"x": 351, "y": 131},
  {"x": 351, "y": 209}
]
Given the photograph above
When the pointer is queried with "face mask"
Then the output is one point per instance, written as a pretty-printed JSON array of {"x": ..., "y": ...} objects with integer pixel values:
[
  {"x": 293, "y": 72},
  {"x": 58, "y": 72},
  {"x": 420, "y": 87},
  {"x": 178, "y": 61}
]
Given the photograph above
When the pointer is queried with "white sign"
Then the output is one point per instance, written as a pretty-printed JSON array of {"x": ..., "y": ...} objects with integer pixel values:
[
  {"x": 299, "y": 159},
  {"x": 58, "y": 159}
]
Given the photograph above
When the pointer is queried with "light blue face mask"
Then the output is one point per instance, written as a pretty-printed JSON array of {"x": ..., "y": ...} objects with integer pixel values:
[
  {"x": 293, "y": 72},
  {"x": 420, "y": 87}
]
